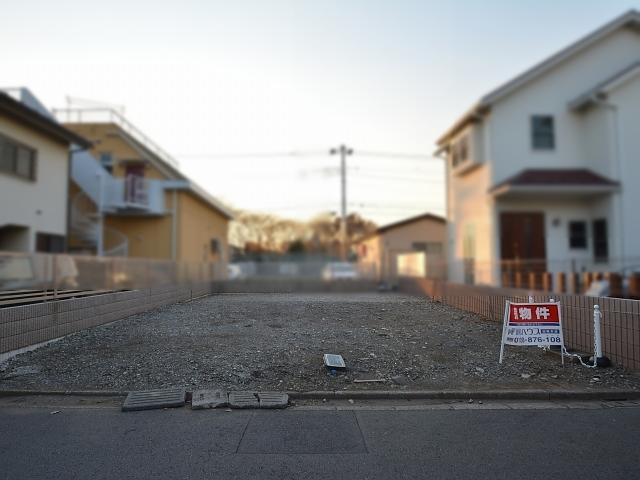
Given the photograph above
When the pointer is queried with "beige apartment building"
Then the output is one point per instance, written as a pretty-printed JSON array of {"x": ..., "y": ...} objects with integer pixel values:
[{"x": 129, "y": 198}]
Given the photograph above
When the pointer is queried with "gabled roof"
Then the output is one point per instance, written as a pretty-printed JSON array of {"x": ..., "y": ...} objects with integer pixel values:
[
  {"x": 183, "y": 182},
  {"x": 630, "y": 18},
  {"x": 41, "y": 123},
  {"x": 600, "y": 91},
  {"x": 402, "y": 223},
  {"x": 566, "y": 177},
  {"x": 161, "y": 160}
]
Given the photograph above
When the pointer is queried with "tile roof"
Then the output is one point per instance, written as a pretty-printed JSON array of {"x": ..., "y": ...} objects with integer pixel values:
[{"x": 570, "y": 177}]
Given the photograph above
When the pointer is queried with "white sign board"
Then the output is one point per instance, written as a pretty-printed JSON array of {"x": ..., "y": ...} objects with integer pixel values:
[{"x": 530, "y": 324}]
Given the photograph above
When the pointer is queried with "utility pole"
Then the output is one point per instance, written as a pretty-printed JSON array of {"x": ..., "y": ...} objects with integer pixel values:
[{"x": 343, "y": 151}]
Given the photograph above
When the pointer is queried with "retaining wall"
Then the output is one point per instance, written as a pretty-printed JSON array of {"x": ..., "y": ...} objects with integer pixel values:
[{"x": 27, "y": 325}]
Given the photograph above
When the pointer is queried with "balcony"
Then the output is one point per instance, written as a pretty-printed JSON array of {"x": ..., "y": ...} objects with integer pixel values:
[{"x": 133, "y": 195}]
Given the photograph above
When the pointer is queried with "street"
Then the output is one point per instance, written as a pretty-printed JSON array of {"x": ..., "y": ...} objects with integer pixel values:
[{"x": 543, "y": 440}]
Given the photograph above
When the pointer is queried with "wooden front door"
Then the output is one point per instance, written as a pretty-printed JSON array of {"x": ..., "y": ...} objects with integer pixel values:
[{"x": 522, "y": 241}]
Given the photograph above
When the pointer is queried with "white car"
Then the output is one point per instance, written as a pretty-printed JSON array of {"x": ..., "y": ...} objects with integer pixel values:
[{"x": 339, "y": 271}]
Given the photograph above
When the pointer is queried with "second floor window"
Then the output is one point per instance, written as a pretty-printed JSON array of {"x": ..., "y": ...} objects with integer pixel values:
[
  {"x": 460, "y": 151},
  {"x": 106, "y": 160},
  {"x": 17, "y": 159},
  {"x": 542, "y": 132},
  {"x": 578, "y": 234}
]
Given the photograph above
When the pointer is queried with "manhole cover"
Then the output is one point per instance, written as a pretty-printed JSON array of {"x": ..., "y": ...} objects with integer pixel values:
[
  {"x": 151, "y": 399},
  {"x": 243, "y": 400},
  {"x": 273, "y": 400},
  {"x": 209, "y": 399}
]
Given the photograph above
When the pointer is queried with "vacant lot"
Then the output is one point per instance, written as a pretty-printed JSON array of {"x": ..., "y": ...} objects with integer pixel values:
[{"x": 276, "y": 341}]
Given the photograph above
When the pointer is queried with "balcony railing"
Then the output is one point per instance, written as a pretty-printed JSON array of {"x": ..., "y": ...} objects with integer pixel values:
[
  {"x": 136, "y": 191},
  {"x": 109, "y": 115}
]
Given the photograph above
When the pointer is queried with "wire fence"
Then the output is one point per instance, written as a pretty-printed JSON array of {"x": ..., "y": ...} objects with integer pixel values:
[
  {"x": 40, "y": 271},
  {"x": 620, "y": 317}
]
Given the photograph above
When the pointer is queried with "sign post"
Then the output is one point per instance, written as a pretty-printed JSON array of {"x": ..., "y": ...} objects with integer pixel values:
[{"x": 532, "y": 324}]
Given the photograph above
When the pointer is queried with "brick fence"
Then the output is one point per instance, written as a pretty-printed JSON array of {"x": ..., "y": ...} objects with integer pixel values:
[
  {"x": 620, "y": 317},
  {"x": 27, "y": 325}
]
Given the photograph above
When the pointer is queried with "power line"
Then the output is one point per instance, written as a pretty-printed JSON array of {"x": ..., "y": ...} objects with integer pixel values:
[
  {"x": 398, "y": 155},
  {"x": 223, "y": 156}
]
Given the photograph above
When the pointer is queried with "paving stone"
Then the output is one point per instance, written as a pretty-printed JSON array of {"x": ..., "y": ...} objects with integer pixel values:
[
  {"x": 273, "y": 400},
  {"x": 153, "y": 399},
  {"x": 209, "y": 399},
  {"x": 244, "y": 400}
]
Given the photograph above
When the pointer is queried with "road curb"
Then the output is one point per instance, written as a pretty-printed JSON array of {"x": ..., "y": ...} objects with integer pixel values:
[
  {"x": 467, "y": 394},
  {"x": 531, "y": 394},
  {"x": 70, "y": 393}
]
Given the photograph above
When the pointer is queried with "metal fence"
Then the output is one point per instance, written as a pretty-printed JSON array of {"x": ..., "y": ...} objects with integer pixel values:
[
  {"x": 39, "y": 271},
  {"x": 620, "y": 317}
]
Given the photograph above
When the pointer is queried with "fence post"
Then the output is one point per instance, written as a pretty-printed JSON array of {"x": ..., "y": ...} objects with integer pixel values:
[
  {"x": 561, "y": 282},
  {"x": 634, "y": 286},
  {"x": 615, "y": 284},
  {"x": 547, "y": 282},
  {"x": 599, "y": 359}
]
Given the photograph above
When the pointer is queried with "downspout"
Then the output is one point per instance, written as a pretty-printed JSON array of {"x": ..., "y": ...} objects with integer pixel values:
[
  {"x": 615, "y": 126},
  {"x": 174, "y": 227}
]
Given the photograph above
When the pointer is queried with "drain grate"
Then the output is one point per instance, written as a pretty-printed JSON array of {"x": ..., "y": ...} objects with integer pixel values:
[
  {"x": 273, "y": 400},
  {"x": 152, "y": 399},
  {"x": 243, "y": 400}
]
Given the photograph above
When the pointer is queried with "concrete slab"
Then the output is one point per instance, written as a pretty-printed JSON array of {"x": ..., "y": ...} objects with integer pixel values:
[
  {"x": 273, "y": 400},
  {"x": 209, "y": 399},
  {"x": 153, "y": 399},
  {"x": 244, "y": 400}
]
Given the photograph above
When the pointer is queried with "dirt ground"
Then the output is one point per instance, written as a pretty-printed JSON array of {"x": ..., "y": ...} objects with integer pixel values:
[{"x": 276, "y": 342}]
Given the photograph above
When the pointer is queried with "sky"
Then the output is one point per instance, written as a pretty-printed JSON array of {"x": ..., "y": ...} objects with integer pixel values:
[{"x": 286, "y": 80}]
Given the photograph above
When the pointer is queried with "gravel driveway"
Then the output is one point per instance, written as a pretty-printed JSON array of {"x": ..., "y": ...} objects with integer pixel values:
[{"x": 276, "y": 341}]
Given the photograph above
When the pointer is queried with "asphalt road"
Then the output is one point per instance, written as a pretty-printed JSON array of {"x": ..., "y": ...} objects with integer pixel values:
[{"x": 103, "y": 443}]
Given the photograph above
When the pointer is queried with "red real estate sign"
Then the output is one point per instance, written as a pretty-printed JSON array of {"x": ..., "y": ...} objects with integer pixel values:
[
  {"x": 534, "y": 313},
  {"x": 529, "y": 324}
]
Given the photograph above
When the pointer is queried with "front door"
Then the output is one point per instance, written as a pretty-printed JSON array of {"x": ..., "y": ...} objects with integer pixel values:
[
  {"x": 134, "y": 191},
  {"x": 522, "y": 241}
]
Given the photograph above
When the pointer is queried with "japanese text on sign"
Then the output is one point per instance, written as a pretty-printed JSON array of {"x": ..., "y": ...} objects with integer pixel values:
[{"x": 533, "y": 324}]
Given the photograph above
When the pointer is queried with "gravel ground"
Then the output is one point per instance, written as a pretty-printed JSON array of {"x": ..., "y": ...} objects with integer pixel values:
[{"x": 276, "y": 341}]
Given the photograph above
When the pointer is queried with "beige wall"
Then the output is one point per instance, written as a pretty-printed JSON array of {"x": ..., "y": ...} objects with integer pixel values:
[
  {"x": 149, "y": 237},
  {"x": 198, "y": 224},
  {"x": 40, "y": 205},
  {"x": 107, "y": 138}
]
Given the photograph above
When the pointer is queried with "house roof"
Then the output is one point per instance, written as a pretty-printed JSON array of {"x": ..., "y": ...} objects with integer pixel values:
[
  {"x": 180, "y": 180},
  {"x": 571, "y": 177},
  {"x": 41, "y": 123},
  {"x": 601, "y": 90},
  {"x": 402, "y": 223},
  {"x": 630, "y": 18}
]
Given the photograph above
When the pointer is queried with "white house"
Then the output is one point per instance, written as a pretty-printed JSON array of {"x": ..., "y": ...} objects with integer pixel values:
[
  {"x": 544, "y": 171},
  {"x": 34, "y": 175}
]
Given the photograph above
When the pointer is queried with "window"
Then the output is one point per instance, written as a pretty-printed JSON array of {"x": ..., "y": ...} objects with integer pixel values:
[
  {"x": 578, "y": 234},
  {"x": 542, "y": 132},
  {"x": 434, "y": 248},
  {"x": 46, "y": 242},
  {"x": 463, "y": 148},
  {"x": 215, "y": 246},
  {"x": 106, "y": 160},
  {"x": 17, "y": 159},
  {"x": 460, "y": 151},
  {"x": 600, "y": 240}
]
